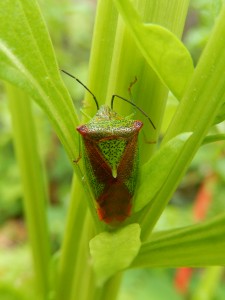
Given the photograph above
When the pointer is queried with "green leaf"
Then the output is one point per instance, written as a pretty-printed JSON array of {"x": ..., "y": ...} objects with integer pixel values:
[
  {"x": 154, "y": 173},
  {"x": 27, "y": 60},
  {"x": 196, "y": 113},
  {"x": 114, "y": 251},
  {"x": 221, "y": 115},
  {"x": 195, "y": 246},
  {"x": 213, "y": 138},
  {"x": 163, "y": 51}
]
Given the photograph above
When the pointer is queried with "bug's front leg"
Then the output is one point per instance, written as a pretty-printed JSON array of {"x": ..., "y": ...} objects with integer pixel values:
[{"x": 79, "y": 155}]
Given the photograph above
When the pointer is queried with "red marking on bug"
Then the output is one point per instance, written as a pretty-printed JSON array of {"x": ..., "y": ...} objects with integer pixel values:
[{"x": 115, "y": 203}]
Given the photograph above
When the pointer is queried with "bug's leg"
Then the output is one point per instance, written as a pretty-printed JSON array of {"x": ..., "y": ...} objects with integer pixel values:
[
  {"x": 130, "y": 87},
  {"x": 131, "y": 97},
  {"x": 77, "y": 159},
  {"x": 79, "y": 156}
]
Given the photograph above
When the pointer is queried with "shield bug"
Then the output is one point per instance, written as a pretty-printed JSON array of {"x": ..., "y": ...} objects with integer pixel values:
[{"x": 110, "y": 152}]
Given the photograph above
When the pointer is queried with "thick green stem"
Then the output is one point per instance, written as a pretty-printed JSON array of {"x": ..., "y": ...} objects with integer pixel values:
[
  {"x": 101, "y": 52},
  {"x": 111, "y": 288},
  {"x": 35, "y": 197},
  {"x": 84, "y": 281},
  {"x": 69, "y": 258}
]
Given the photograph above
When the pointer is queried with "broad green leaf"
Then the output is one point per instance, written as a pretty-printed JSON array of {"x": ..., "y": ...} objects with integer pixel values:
[
  {"x": 163, "y": 51},
  {"x": 28, "y": 61},
  {"x": 113, "y": 251},
  {"x": 154, "y": 173},
  {"x": 195, "y": 246}
]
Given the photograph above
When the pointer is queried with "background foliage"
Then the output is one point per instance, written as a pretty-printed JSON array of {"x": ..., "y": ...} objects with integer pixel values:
[{"x": 200, "y": 194}]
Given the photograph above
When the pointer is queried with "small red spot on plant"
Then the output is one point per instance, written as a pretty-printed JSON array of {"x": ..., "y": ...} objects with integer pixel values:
[
  {"x": 182, "y": 279},
  {"x": 204, "y": 198}
]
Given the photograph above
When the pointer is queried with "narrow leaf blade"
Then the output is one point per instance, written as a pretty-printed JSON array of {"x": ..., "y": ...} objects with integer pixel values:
[
  {"x": 154, "y": 173},
  {"x": 195, "y": 246}
]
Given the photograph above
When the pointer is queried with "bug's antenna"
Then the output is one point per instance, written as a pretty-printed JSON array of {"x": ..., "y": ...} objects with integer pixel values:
[
  {"x": 131, "y": 103},
  {"x": 96, "y": 101}
]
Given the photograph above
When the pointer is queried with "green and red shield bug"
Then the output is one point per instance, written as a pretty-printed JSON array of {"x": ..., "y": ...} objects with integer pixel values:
[{"x": 110, "y": 151}]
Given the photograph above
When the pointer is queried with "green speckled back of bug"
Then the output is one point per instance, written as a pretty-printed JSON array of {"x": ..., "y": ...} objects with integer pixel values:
[
  {"x": 111, "y": 161},
  {"x": 113, "y": 150}
]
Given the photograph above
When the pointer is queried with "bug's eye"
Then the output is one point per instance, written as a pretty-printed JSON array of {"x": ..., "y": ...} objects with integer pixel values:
[
  {"x": 138, "y": 124},
  {"x": 82, "y": 129}
]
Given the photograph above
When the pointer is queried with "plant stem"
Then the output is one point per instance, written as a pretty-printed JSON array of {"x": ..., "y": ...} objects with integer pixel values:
[
  {"x": 208, "y": 284},
  {"x": 111, "y": 288},
  {"x": 84, "y": 281},
  {"x": 101, "y": 52},
  {"x": 71, "y": 243},
  {"x": 35, "y": 197}
]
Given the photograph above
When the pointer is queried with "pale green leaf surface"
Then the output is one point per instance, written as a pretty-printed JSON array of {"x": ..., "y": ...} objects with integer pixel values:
[
  {"x": 113, "y": 251},
  {"x": 163, "y": 51},
  {"x": 194, "y": 246},
  {"x": 28, "y": 61},
  {"x": 154, "y": 173}
]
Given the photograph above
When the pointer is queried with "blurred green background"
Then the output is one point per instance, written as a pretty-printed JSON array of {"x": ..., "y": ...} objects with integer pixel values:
[{"x": 200, "y": 195}]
